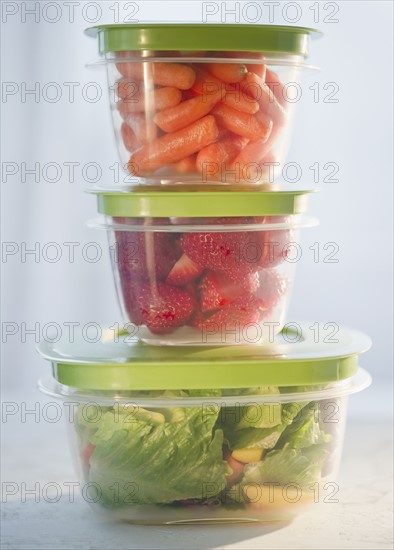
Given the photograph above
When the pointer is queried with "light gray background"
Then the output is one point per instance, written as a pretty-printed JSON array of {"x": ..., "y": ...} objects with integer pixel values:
[{"x": 355, "y": 213}]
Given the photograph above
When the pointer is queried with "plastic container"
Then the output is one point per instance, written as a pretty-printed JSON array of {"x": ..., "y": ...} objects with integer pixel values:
[
  {"x": 218, "y": 271},
  {"x": 203, "y": 103},
  {"x": 167, "y": 436}
]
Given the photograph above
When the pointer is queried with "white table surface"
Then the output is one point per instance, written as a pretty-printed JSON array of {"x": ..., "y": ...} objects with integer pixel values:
[{"x": 37, "y": 452}]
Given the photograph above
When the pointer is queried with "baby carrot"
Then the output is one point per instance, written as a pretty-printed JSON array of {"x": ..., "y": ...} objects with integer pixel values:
[
  {"x": 276, "y": 86},
  {"x": 144, "y": 128},
  {"x": 227, "y": 72},
  {"x": 129, "y": 138},
  {"x": 175, "y": 118},
  {"x": 174, "y": 147},
  {"x": 232, "y": 96},
  {"x": 175, "y": 75},
  {"x": 157, "y": 99},
  {"x": 254, "y": 86},
  {"x": 205, "y": 83},
  {"x": 253, "y": 152},
  {"x": 186, "y": 165},
  {"x": 243, "y": 124},
  {"x": 213, "y": 158},
  {"x": 128, "y": 89},
  {"x": 260, "y": 70},
  {"x": 240, "y": 101}
]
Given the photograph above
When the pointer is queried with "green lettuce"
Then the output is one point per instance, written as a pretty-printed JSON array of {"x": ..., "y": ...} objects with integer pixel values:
[
  {"x": 242, "y": 430},
  {"x": 287, "y": 465},
  {"x": 157, "y": 457},
  {"x": 305, "y": 432}
]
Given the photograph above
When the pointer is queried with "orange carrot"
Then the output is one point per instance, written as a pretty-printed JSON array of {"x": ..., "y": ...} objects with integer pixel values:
[
  {"x": 252, "y": 153},
  {"x": 153, "y": 100},
  {"x": 129, "y": 138},
  {"x": 175, "y": 118},
  {"x": 186, "y": 165},
  {"x": 175, "y": 75},
  {"x": 260, "y": 70},
  {"x": 143, "y": 127},
  {"x": 256, "y": 88},
  {"x": 240, "y": 101},
  {"x": 128, "y": 89},
  {"x": 232, "y": 96},
  {"x": 243, "y": 124},
  {"x": 174, "y": 147},
  {"x": 212, "y": 160},
  {"x": 227, "y": 72},
  {"x": 205, "y": 83},
  {"x": 255, "y": 161},
  {"x": 276, "y": 86}
]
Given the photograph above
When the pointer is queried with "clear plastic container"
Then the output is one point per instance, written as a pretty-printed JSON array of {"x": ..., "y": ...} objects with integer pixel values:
[
  {"x": 203, "y": 103},
  {"x": 254, "y": 452},
  {"x": 204, "y": 280}
]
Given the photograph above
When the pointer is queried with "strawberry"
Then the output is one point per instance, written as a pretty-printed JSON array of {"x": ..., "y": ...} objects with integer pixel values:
[
  {"x": 197, "y": 320},
  {"x": 273, "y": 286},
  {"x": 220, "y": 251},
  {"x": 217, "y": 291},
  {"x": 164, "y": 307},
  {"x": 271, "y": 244},
  {"x": 184, "y": 271},
  {"x": 149, "y": 254},
  {"x": 130, "y": 291},
  {"x": 235, "y": 316}
]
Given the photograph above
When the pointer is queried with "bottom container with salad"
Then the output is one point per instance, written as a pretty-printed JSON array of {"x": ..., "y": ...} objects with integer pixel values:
[{"x": 186, "y": 435}]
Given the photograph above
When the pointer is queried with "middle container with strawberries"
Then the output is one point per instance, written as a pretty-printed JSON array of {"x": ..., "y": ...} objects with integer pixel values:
[{"x": 209, "y": 266}]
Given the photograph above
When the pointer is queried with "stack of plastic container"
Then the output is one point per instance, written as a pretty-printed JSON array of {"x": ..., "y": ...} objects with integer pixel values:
[{"x": 202, "y": 408}]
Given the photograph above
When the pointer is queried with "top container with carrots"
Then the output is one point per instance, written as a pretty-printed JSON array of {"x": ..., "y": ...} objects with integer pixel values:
[{"x": 203, "y": 102}]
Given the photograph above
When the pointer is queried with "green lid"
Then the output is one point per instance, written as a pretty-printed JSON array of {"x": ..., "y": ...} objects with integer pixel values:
[
  {"x": 204, "y": 37},
  {"x": 293, "y": 359},
  {"x": 193, "y": 202}
]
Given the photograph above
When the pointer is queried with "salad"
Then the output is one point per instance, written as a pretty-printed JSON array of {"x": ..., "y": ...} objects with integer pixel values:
[{"x": 248, "y": 454}]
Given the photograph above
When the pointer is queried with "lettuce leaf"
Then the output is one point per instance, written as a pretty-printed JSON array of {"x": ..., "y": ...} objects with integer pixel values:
[
  {"x": 240, "y": 434},
  {"x": 287, "y": 465},
  {"x": 149, "y": 457},
  {"x": 305, "y": 430}
]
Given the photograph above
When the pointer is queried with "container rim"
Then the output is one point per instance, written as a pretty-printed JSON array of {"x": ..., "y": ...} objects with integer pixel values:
[
  {"x": 268, "y": 60},
  {"x": 300, "y": 222},
  {"x": 358, "y": 382}
]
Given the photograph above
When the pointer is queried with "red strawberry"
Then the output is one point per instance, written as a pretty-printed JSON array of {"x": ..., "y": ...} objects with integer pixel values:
[
  {"x": 149, "y": 254},
  {"x": 197, "y": 320},
  {"x": 220, "y": 251},
  {"x": 184, "y": 271},
  {"x": 271, "y": 244},
  {"x": 217, "y": 291},
  {"x": 130, "y": 291},
  {"x": 235, "y": 316},
  {"x": 164, "y": 307},
  {"x": 273, "y": 286}
]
